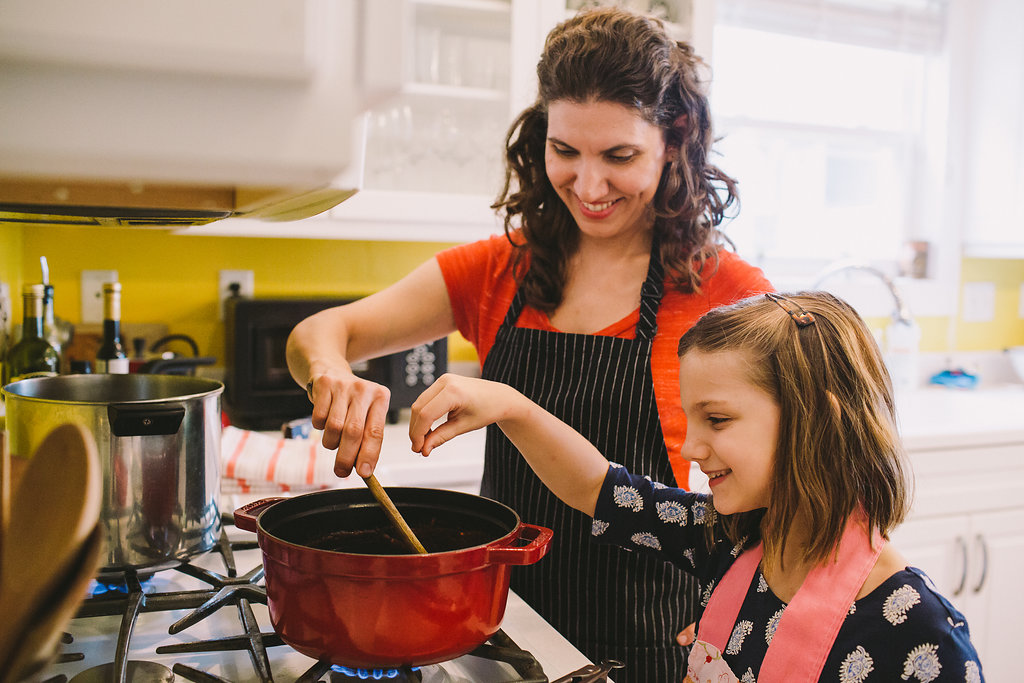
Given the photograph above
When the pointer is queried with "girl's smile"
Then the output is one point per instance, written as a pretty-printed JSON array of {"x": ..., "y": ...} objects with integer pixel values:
[{"x": 732, "y": 428}]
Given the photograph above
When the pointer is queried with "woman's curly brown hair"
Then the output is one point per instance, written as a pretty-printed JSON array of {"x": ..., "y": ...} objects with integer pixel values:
[{"x": 612, "y": 55}]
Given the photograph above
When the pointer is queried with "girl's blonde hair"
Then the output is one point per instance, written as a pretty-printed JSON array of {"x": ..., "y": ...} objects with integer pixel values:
[{"x": 838, "y": 448}]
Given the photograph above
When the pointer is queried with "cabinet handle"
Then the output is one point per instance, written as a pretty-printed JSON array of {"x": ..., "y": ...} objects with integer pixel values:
[
  {"x": 962, "y": 546},
  {"x": 979, "y": 541}
]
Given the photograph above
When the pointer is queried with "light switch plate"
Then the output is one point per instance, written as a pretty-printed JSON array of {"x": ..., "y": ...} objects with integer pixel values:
[
  {"x": 978, "y": 302},
  {"x": 92, "y": 293}
]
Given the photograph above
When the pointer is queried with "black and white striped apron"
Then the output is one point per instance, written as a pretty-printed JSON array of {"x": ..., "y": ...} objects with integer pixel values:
[{"x": 609, "y": 602}]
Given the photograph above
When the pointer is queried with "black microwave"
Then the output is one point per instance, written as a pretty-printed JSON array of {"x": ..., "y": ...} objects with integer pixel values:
[{"x": 259, "y": 392}]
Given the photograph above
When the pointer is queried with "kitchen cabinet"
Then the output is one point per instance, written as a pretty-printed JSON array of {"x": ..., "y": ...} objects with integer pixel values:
[
  {"x": 232, "y": 92},
  {"x": 966, "y": 531}
]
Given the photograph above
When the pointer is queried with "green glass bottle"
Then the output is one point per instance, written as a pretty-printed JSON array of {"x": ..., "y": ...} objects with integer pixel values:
[{"x": 32, "y": 356}]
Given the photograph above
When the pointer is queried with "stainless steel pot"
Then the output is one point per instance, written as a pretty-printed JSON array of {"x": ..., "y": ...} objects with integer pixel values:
[{"x": 158, "y": 438}]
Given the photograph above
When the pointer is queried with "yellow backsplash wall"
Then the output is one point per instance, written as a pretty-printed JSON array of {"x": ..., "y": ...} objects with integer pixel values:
[
  {"x": 173, "y": 279},
  {"x": 1007, "y": 326}
]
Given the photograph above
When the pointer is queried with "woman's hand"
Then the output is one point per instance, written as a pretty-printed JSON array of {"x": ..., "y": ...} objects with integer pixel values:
[
  {"x": 352, "y": 412},
  {"x": 468, "y": 403}
]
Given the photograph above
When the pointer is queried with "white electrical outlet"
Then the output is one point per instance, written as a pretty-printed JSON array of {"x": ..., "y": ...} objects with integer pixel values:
[
  {"x": 978, "y": 303},
  {"x": 243, "y": 278},
  {"x": 92, "y": 293}
]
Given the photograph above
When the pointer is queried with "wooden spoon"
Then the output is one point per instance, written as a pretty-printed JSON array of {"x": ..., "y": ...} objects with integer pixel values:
[
  {"x": 40, "y": 639},
  {"x": 54, "y": 508},
  {"x": 394, "y": 515}
]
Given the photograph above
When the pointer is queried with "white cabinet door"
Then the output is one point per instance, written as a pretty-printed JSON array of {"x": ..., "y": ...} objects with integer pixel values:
[
  {"x": 434, "y": 152},
  {"x": 994, "y": 591},
  {"x": 230, "y": 92},
  {"x": 938, "y": 546}
]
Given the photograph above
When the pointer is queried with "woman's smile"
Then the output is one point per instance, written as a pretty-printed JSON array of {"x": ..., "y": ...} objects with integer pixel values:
[
  {"x": 605, "y": 161},
  {"x": 598, "y": 211}
]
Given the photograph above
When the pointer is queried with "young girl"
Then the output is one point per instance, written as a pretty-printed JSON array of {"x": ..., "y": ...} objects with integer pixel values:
[{"x": 790, "y": 414}]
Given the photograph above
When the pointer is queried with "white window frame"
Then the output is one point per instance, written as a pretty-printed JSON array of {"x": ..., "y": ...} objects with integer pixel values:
[{"x": 937, "y": 212}]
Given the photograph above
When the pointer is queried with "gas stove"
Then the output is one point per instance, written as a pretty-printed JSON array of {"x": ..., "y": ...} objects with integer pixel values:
[{"x": 207, "y": 621}]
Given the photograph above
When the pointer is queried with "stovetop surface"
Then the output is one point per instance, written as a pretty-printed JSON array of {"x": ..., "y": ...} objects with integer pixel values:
[{"x": 94, "y": 638}]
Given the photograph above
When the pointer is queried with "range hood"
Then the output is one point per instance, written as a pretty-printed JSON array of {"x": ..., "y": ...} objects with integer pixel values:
[
  {"x": 154, "y": 114},
  {"x": 137, "y": 204}
]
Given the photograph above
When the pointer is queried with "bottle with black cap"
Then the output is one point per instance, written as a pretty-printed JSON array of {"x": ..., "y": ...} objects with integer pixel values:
[{"x": 111, "y": 358}]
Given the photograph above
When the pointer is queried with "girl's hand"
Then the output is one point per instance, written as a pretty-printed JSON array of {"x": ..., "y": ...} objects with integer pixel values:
[
  {"x": 687, "y": 635},
  {"x": 469, "y": 404},
  {"x": 351, "y": 411}
]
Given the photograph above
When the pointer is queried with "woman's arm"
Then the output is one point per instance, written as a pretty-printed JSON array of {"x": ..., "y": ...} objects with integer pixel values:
[
  {"x": 352, "y": 411},
  {"x": 564, "y": 460}
]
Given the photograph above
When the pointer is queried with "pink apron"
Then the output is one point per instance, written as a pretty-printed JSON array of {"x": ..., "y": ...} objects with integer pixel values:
[{"x": 809, "y": 624}]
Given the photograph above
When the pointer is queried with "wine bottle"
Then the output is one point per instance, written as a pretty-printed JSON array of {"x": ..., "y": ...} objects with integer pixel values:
[
  {"x": 32, "y": 356},
  {"x": 55, "y": 330},
  {"x": 111, "y": 358}
]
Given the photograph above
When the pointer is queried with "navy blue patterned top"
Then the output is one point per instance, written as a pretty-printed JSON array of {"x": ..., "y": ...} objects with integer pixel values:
[{"x": 901, "y": 631}]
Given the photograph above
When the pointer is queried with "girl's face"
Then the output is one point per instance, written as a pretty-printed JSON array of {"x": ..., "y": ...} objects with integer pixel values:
[
  {"x": 605, "y": 162},
  {"x": 732, "y": 428}
]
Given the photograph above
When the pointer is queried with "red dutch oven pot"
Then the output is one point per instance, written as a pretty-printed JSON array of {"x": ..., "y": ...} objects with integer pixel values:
[{"x": 342, "y": 587}]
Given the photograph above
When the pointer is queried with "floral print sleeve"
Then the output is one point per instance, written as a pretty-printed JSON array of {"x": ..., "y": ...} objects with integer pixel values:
[{"x": 642, "y": 515}]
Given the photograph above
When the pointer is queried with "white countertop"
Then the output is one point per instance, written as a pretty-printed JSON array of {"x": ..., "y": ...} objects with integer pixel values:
[{"x": 940, "y": 417}]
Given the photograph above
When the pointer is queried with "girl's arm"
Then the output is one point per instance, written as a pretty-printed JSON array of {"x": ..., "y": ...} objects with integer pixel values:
[{"x": 564, "y": 460}]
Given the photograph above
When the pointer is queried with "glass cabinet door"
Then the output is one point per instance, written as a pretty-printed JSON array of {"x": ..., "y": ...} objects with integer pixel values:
[{"x": 444, "y": 131}]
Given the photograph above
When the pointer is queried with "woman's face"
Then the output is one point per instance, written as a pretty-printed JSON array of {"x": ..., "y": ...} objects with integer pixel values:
[
  {"x": 605, "y": 162},
  {"x": 732, "y": 428}
]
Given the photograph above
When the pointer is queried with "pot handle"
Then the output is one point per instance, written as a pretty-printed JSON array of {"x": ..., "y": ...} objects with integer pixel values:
[
  {"x": 133, "y": 420},
  {"x": 538, "y": 538},
  {"x": 247, "y": 515}
]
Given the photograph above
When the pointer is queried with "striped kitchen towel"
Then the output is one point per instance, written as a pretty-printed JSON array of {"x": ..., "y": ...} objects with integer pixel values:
[{"x": 257, "y": 461}]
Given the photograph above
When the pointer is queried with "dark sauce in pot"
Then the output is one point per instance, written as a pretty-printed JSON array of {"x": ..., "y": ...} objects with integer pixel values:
[{"x": 367, "y": 531}]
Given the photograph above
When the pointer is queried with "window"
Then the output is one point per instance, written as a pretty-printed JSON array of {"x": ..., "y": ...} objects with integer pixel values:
[{"x": 832, "y": 117}]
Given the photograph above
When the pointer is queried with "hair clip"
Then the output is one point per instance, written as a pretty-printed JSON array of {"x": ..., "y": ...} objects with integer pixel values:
[{"x": 801, "y": 317}]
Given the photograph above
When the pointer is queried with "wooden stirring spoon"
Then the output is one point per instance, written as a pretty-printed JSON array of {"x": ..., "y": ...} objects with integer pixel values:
[{"x": 393, "y": 514}]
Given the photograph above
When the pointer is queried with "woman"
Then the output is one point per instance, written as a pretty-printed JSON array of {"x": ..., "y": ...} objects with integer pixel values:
[{"x": 611, "y": 251}]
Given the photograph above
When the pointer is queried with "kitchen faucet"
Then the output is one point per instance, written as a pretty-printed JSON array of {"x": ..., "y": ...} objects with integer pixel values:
[
  {"x": 900, "y": 313},
  {"x": 901, "y": 337}
]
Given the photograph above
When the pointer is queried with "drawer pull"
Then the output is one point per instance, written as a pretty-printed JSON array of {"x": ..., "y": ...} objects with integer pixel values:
[
  {"x": 962, "y": 546},
  {"x": 979, "y": 541}
]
